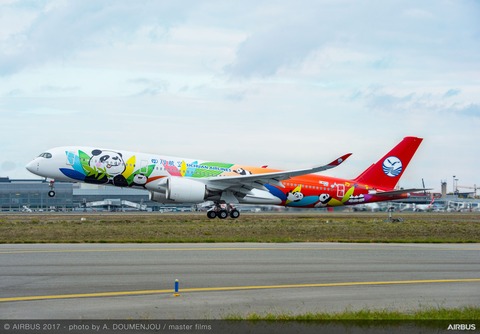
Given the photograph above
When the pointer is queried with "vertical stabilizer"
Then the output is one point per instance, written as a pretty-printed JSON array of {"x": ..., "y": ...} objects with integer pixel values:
[{"x": 387, "y": 171}]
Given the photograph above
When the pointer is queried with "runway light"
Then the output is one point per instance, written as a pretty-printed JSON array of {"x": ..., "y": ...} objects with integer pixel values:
[{"x": 176, "y": 294}]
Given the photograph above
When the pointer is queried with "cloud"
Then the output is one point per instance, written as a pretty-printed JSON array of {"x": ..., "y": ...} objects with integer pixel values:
[
  {"x": 265, "y": 52},
  {"x": 272, "y": 44},
  {"x": 14, "y": 92},
  {"x": 286, "y": 83},
  {"x": 390, "y": 102},
  {"x": 430, "y": 105},
  {"x": 452, "y": 92},
  {"x": 472, "y": 110},
  {"x": 57, "y": 89},
  {"x": 150, "y": 87},
  {"x": 389, "y": 35},
  {"x": 61, "y": 29}
]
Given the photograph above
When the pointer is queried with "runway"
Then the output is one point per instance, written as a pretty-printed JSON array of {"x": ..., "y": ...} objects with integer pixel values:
[{"x": 136, "y": 281}]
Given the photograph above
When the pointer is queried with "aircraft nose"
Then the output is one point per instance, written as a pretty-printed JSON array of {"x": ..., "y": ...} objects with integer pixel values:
[{"x": 32, "y": 166}]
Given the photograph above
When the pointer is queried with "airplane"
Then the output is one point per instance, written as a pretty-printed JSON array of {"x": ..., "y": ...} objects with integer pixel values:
[
  {"x": 424, "y": 207},
  {"x": 180, "y": 180}
]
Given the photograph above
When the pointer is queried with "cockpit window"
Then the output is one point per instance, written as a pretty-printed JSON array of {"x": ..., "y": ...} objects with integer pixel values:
[{"x": 46, "y": 155}]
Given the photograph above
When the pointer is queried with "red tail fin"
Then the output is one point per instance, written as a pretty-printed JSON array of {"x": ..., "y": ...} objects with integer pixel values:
[{"x": 386, "y": 172}]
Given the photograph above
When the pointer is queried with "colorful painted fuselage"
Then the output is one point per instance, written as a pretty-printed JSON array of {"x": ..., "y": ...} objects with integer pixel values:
[{"x": 140, "y": 170}]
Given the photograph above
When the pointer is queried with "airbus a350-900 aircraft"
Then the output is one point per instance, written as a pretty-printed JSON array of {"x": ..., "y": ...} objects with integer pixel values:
[{"x": 181, "y": 180}]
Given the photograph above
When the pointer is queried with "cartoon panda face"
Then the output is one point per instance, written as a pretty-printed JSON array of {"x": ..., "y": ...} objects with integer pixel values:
[
  {"x": 140, "y": 180},
  {"x": 111, "y": 161},
  {"x": 242, "y": 171},
  {"x": 294, "y": 196},
  {"x": 324, "y": 198}
]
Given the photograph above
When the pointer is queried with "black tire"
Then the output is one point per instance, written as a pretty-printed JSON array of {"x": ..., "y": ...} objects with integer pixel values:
[
  {"x": 51, "y": 193},
  {"x": 234, "y": 214},
  {"x": 211, "y": 214},
  {"x": 222, "y": 214}
]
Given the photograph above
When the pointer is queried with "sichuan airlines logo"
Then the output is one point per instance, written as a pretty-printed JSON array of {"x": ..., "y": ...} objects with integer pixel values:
[{"x": 392, "y": 166}]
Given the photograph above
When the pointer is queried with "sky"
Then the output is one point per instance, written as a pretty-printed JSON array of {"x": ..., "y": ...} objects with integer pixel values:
[{"x": 290, "y": 84}]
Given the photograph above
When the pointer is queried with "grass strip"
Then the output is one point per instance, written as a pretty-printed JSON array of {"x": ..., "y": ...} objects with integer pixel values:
[
  {"x": 195, "y": 227},
  {"x": 470, "y": 313}
]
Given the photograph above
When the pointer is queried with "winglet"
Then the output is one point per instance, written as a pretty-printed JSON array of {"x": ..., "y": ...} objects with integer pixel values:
[
  {"x": 340, "y": 160},
  {"x": 333, "y": 164}
]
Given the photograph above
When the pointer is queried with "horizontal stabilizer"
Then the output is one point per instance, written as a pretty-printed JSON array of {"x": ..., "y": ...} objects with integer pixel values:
[{"x": 397, "y": 192}]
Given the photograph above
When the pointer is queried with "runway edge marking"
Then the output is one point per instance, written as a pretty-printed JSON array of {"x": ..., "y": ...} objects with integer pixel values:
[{"x": 232, "y": 288}]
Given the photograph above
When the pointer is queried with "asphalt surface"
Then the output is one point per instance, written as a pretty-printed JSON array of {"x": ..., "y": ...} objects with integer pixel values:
[{"x": 136, "y": 281}]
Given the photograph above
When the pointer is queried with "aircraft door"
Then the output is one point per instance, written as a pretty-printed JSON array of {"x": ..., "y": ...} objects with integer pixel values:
[{"x": 340, "y": 190}]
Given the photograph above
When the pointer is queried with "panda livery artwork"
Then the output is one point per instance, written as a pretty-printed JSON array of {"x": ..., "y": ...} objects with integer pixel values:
[{"x": 181, "y": 180}]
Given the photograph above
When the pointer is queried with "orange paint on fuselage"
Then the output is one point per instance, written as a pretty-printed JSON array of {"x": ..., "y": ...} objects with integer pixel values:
[{"x": 330, "y": 191}]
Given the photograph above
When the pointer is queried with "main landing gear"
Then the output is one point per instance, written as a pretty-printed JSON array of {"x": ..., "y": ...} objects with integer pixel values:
[
  {"x": 222, "y": 211},
  {"x": 51, "y": 184}
]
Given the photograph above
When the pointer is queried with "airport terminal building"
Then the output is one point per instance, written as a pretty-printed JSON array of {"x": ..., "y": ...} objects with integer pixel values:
[{"x": 26, "y": 195}]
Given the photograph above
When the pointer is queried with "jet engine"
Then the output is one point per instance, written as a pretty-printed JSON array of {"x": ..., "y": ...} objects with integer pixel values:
[
  {"x": 183, "y": 190},
  {"x": 159, "y": 197}
]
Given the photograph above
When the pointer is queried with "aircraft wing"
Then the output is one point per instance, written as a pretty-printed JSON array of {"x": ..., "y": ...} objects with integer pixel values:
[{"x": 245, "y": 183}]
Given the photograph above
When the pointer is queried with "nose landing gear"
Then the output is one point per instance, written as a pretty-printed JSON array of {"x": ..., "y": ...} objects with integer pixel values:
[
  {"x": 51, "y": 184},
  {"x": 222, "y": 211}
]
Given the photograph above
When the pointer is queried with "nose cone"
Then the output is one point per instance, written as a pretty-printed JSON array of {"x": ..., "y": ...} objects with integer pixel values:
[{"x": 32, "y": 166}]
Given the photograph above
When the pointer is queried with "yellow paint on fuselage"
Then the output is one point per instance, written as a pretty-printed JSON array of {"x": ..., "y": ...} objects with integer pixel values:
[
  {"x": 334, "y": 202},
  {"x": 348, "y": 194},
  {"x": 130, "y": 167},
  {"x": 183, "y": 168}
]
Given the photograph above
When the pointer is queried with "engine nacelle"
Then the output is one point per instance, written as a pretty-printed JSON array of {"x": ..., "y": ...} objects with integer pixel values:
[
  {"x": 159, "y": 197},
  {"x": 182, "y": 190}
]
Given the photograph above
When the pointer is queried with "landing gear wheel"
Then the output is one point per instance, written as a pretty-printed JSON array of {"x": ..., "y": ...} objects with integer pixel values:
[
  {"x": 234, "y": 214},
  {"x": 51, "y": 184},
  {"x": 223, "y": 211},
  {"x": 222, "y": 214}
]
